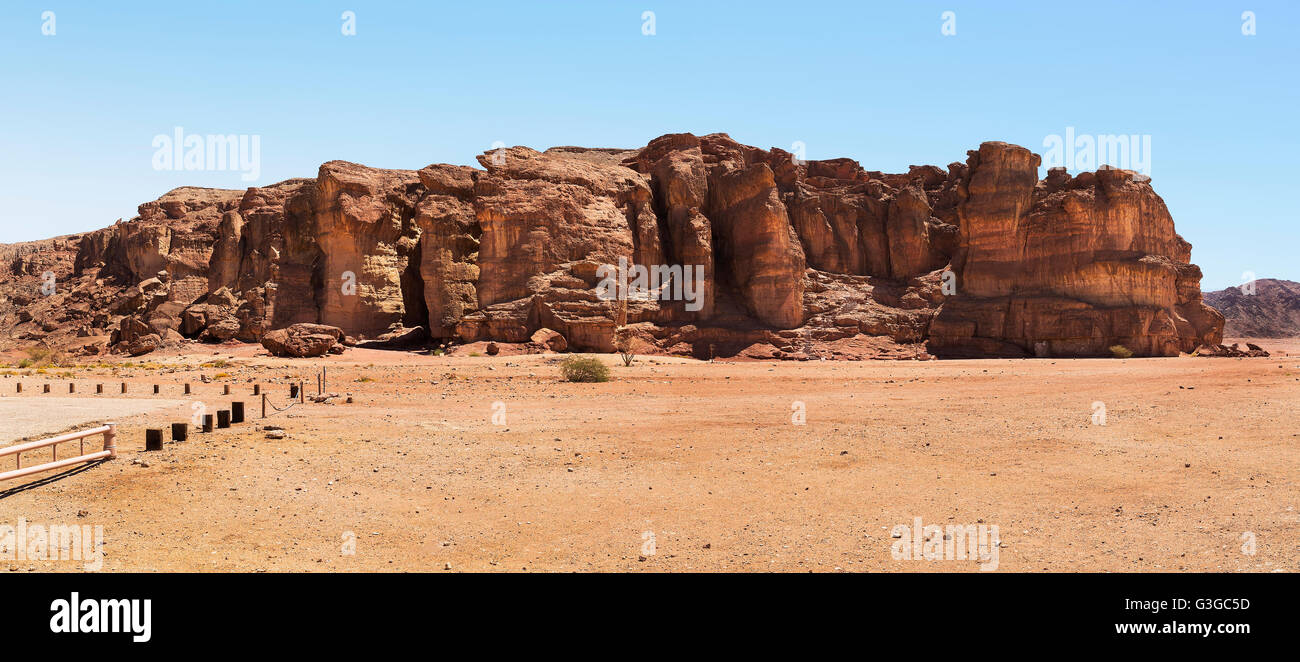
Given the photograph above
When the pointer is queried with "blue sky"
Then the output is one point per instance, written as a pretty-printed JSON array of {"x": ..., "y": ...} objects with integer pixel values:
[{"x": 428, "y": 82}]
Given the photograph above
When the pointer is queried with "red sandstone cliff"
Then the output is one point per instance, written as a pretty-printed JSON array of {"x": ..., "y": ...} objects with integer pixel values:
[{"x": 795, "y": 259}]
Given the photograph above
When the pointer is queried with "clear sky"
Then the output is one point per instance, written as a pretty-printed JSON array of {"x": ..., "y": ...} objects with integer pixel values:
[{"x": 429, "y": 82}]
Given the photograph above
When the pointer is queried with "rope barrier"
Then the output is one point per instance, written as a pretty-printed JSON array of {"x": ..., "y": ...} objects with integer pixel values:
[{"x": 277, "y": 409}]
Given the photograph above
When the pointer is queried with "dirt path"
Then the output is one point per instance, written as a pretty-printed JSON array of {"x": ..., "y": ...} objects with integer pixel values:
[{"x": 27, "y": 419}]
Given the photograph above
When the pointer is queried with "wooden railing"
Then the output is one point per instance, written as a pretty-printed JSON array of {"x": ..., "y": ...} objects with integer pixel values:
[{"x": 109, "y": 431}]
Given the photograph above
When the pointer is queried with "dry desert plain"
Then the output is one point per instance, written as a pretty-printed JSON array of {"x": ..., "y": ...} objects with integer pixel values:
[{"x": 703, "y": 458}]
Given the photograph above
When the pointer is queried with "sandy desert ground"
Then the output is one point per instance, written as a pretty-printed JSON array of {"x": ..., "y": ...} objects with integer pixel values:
[{"x": 678, "y": 465}]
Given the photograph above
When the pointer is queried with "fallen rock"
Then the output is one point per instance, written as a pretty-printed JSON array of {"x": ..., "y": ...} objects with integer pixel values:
[
  {"x": 303, "y": 340},
  {"x": 548, "y": 339},
  {"x": 221, "y": 330},
  {"x": 144, "y": 344},
  {"x": 1233, "y": 351},
  {"x": 133, "y": 328},
  {"x": 194, "y": 320}
]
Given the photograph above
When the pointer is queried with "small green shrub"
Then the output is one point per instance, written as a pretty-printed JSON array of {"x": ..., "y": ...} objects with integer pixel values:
[
  {"x": 1121, "y": 352},
  {"x": 579, "y": 369}
]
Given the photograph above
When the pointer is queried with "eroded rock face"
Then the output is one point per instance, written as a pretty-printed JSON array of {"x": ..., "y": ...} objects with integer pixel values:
[
  {"x": 1077, "y": 264},
  {"x": 365, "y": 227},
  {"x": 787, "y": 258}
]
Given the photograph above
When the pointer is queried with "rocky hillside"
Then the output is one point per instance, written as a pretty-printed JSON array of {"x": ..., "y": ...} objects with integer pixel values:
[
  {"x": 790, "y": 259},
  {"x": 1273, "y": 311}
]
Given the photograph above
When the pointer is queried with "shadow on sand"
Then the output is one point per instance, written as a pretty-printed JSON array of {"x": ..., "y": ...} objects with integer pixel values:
[{"x": 4, "y": 494}]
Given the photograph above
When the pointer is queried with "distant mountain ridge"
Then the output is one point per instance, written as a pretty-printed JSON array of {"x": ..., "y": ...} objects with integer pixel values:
[{"x": 1273, "y": 311}]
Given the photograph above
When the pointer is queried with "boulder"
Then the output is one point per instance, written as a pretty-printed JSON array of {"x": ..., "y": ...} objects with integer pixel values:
[
  {"x": 397, "y": 337},
  {"x": 194, "y": 320},
  {"x": 223, "y": 298},
  {"x": 221, "y": 330},
  {"x": 551, "y": 340},
  {"x": 1233, "y": 351},
  {"x": 303, "y": 340},
  {"x": 143, "y": 344},
  {"x": 132, "y": 328}
]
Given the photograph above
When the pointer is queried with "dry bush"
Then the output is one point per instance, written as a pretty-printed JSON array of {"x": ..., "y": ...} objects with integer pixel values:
[
  {"x": 41, "y": 357},
  {"x": 584, "y": 369},
  {"x": 623, "y": 345}
]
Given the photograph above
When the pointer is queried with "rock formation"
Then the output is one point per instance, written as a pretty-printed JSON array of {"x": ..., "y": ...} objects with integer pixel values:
[
  {"x": 303, "y": 340},
  {"x": 1251, "y": 351},
  {"x": 1067, "y": 266},
  {"x": 715, "y": 249}
]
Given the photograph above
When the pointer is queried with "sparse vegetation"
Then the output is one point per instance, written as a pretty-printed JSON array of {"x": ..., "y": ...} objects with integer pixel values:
[
  {"x": 584, "y": 369},
  {"x": 623, "y": 345},
  {"x": 623, "y": 335},
  {"x": 142, "y": 366},
  {"x": 42, "y": 357},
  {"x": 364, "y": 380},
  {"x": 1121, "y": 352},
  {"x": 475, "y": 354}
]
